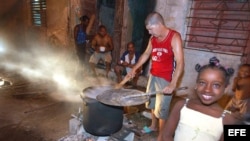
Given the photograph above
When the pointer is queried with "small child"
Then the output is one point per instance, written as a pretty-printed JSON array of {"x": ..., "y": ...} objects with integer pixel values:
[
  {"x": 239, "y": 105},
  {"x": 201, "y": 118}
]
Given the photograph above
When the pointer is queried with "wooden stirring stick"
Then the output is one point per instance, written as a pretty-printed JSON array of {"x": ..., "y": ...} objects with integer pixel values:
[{"x": 124, "y": 81}]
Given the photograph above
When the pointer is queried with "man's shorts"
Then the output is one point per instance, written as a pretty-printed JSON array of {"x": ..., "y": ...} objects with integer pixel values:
[
  {"x": 95, "y": 57},
  {"x": 159, "y": 102}
]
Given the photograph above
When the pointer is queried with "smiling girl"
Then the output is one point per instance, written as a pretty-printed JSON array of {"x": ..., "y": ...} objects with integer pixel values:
[{"x": 202, "y": 118}]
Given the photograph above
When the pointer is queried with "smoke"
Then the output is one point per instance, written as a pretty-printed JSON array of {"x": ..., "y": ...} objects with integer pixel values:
[{"x": 51, "y": 67}]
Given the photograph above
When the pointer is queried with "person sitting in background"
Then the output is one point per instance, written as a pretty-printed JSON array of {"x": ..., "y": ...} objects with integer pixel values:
[
  {"x": 201, "y": 118},
  {"x": 127, "y": 61},
  {"x": 240, "y": 102},
  {"x": 103, "y": 45}
]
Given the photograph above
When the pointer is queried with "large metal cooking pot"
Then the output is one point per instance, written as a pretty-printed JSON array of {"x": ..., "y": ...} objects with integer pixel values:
[{"x": 100, "y": 119}]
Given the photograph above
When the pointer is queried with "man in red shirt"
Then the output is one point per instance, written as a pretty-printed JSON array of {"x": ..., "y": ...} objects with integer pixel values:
[{"x": 167, "y": 64}]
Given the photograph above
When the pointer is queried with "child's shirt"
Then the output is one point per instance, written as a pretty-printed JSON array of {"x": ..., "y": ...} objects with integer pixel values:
[{"x": 196, "y": 126}]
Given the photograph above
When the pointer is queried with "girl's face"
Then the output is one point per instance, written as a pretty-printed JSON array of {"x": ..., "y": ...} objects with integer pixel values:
[{"x": 210, "y": 86}]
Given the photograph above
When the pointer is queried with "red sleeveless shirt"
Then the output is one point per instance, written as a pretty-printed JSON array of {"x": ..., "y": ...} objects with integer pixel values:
[{"x": 162, "y": 57}]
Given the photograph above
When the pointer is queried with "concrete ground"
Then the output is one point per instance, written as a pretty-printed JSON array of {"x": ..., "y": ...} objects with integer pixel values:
[
  {"x": 37, "y": 110},
  {"x": 33, "y": 117},
  {"x": 39, "y": 117}
]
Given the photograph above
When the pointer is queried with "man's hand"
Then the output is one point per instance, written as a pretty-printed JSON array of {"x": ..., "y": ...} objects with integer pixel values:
[
  {"x": 168, "y": 89},
  {"x": 131, "y": 74},
  {"x": 125, "y": 63}
]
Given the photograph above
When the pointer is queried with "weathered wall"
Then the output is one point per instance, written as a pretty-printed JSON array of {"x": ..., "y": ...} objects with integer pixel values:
[
  {"x": 126, "y": 27},
  {"x": 16, "y": 23},
  {"x": 63, "y": 16},
  {"x": 57, "y": 21},
  {"x": 13, "y": 23},
  {"x": 174, "y": 13}
]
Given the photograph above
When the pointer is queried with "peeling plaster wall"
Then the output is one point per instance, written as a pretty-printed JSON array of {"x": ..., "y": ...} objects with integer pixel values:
[
  {"x": 16, "y": 23},
  {"x": 63, "y": 16},
  {"x": 174, "y": 13},
  {"x": 13, "y": 23},
  {"x": 57, "y": 21},
  {"x": 75, "y": 12}
]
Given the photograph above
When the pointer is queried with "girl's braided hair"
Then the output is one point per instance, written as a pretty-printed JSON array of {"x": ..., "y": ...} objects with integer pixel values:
[{"x": 214, "y": 63}]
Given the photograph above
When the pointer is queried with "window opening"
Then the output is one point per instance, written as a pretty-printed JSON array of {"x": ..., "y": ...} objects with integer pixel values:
[{"x": 38, "y": 11}]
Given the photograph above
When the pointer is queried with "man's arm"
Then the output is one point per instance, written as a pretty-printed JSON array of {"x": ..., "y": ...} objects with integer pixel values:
[
  {"x": 90, "y": 25},
  {"x": 234, "y": 86},
  {"x": 122, "y": 59},
  {"x": 144, "y": 57},
  {"x": 94, "y": 43},
  {"x": 110, "y": 44},
  {"x": 179, "y": 58}
]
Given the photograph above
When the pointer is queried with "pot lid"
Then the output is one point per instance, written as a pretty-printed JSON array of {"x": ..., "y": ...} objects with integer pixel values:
[
  {"x": 118, "y": 97},
  {"x": 92, "y": 92}
]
